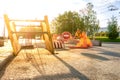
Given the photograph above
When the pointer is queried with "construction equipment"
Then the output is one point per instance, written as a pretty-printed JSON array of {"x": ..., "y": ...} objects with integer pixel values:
[{"x": 13, "y": 33}]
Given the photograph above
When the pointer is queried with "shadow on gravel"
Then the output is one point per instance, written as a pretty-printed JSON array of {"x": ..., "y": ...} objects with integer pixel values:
[
  {"x": 94, "y": 56},
  {"x": 6, "y": 64},
  {"x": 63, "y": 76},
  {"x": 62, "y": 49},
  {"x": 109, "y": 53},
  {"x": 74, "y": 73}
]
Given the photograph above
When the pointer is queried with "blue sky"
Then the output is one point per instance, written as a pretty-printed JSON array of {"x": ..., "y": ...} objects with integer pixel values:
[
  {"x": 103, "y": 13},
  {"x": 38, "y": 8}
]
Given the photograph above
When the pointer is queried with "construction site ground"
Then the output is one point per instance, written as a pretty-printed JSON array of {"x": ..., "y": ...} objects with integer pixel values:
[{"x": 96, "y": 63}]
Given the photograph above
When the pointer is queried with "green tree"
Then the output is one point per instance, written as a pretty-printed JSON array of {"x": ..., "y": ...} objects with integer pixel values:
[
  {"x": 91, "y": 24},
  {"x": 71, "y": 21},
  {"x": 68, "y": 21},
  {"x": 113, "y": 28}
]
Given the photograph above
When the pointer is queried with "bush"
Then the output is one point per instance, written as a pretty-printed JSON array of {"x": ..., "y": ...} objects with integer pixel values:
[
  {"x": 113, "y": 35},
  {"x": 113, "y": 28}
]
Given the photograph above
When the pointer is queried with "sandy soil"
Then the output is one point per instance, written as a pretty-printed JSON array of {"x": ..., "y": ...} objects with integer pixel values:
[
  {"x": 6, "y": 48},
  {"x": 97, "y": 63}
]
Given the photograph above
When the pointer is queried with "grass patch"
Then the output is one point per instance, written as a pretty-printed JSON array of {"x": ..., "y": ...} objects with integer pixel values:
[{"x": 106, "y": 39}]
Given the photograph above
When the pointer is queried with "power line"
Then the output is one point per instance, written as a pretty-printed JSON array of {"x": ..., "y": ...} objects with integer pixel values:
[{"x": 106, "y": 7}]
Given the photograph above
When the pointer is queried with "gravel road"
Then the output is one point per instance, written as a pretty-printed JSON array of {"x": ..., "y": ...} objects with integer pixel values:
[{"x": 96, "y": 63}]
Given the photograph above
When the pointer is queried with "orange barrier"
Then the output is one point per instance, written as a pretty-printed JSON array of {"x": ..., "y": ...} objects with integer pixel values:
[{"x": 84, "y": 42}]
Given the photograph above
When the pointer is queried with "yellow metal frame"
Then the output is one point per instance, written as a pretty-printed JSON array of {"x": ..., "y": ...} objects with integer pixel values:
[{"x": 11, "y": 27}]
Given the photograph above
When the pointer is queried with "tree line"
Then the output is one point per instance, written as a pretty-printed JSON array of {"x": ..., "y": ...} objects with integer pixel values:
[{"x": 86, "y": 20}]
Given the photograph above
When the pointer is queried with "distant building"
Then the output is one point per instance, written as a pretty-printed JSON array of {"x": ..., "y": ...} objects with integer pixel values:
[{"x": 103, "y": 29}]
